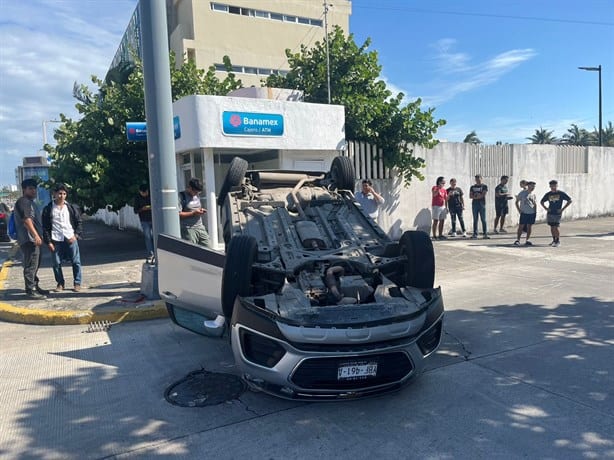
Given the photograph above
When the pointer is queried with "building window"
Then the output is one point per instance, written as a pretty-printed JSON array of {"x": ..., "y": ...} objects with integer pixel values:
[
  {"x": 263, "y": 71},
  {"x": 224, "y": 8},
  {"x": 219, "y": 7}
]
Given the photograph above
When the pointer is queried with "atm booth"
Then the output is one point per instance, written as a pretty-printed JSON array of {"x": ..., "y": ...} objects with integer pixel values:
[{"x": 266, "y": 127}]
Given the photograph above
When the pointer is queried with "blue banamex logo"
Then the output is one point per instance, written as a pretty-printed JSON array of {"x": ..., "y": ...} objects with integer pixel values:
[{"x": 252, "y": 124}]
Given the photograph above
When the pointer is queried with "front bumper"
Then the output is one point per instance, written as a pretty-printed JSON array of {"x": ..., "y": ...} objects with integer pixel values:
[{"x": 272, "y": 363}]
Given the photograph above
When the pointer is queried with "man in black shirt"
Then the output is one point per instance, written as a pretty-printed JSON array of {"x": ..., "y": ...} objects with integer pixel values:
[
  {"x": 477, "y": 193},
  {"x": 555, "y": 208},
  {"x": 29, "y": 237},
  {"x": 456, "y": 205},
  {"x": 142, "y": 207}
]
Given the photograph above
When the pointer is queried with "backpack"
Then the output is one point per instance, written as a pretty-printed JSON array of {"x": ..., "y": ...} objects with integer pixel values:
[{"x": 12, "y": 230}]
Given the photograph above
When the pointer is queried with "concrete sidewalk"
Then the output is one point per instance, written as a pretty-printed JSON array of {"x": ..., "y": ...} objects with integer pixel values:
[{"x": 112, "y": 261}]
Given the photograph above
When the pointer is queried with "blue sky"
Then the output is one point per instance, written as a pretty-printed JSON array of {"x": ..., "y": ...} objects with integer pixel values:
[{"x": 502, "y": 68}]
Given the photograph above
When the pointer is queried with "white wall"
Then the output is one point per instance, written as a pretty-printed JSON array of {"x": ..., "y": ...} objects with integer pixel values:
[{"x": 411, "y": 206}]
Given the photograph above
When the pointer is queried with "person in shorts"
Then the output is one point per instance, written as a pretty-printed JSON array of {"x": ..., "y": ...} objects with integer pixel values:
[
  {"x": 526, "y": 203},
  {"x": 502, "y": 196},
  {"x": 555, "y": 208},
  {"x": 438, "y": 204}
]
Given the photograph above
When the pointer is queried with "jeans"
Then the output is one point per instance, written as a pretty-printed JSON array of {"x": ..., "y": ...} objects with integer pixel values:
[
  {"x": 32, "y": 256},
  {"x": 454, "y": 213},
  {"x": 148, "y": 234},
  {"x": 66, "y": 251},
  {"x": 479, "y": 209}
]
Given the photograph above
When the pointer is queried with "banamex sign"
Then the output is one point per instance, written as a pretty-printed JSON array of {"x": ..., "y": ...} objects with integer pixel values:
[{"x": 252, "y": 124}]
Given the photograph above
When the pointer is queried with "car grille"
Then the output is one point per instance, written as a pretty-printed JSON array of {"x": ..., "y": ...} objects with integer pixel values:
[{"x": 321, "y": 373}]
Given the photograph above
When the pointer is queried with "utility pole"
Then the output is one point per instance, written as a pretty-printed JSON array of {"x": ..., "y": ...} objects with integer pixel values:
[
  {"x": 326, "y": 5},
  {"x": 160, "y": 139}
]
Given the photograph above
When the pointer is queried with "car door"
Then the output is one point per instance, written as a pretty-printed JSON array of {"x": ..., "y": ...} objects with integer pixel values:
[{"x": 190, "y": 281}]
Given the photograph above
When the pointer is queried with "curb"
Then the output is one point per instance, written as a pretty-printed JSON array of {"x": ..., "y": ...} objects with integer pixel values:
[
  {"x": 65, "y": 318},
  {"x": 39, "y": 317}
]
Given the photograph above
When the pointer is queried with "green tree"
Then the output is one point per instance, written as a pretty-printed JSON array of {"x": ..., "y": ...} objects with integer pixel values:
[
  {"x": 576, "y": 136},
  {"x": 607, "y": 135},
  {"x": 372, "y": 113},
  {"x": 92, "y": 155},
  {"x": 543, "y": 136},
  {"x": 472, "y": 138}
]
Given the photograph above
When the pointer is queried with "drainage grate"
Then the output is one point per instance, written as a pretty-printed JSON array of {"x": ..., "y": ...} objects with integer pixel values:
[{"x": 203, "y": 388}]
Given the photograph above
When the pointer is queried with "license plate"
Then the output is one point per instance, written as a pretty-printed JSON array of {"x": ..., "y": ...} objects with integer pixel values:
[{"x": 355, "y": 371}]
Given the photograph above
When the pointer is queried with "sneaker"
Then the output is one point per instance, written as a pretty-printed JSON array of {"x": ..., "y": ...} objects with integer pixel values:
[
  {"x": 77, "y": 287},
  {"x": 474, "y": 237},
  {"x": 502, "y": 230},
  {"x": 59, "y": 288},
  {"x": 486, "y": 237},
  {"x": 42, "y": 291},
  {"x": 441, "y": 237},
  {"x": 528, "y": 243},
  {"x": 464, "y": 234},
  {"x": 451, "y": 233},
  {"x": 516, "y": 243},
  {"x": 35, "y": 295},
  {"x": 556, "y": 244},
  {"x": 496, "y": 231}
]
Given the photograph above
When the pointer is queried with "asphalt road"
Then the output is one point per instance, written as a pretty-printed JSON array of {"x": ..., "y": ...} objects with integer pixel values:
[{"x": 526, "y": 370}]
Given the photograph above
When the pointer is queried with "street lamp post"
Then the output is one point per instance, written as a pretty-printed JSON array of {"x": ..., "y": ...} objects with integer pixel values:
[{"x": 597, "y": 69}]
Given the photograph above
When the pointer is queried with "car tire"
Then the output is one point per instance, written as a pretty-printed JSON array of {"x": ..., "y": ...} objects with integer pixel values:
[
  {"x": 420, "y": 265},
  {"x": 342, "y": 173},
  {"x": 237, "y": 275},
  {"x": 234, "y": 176}
]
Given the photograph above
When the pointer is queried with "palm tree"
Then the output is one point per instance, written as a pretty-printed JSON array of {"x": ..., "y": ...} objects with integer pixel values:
[
  {"x": 607, "y": 135},
  {"x": 543, "y": 136},
  {"x": 472, "y": 138},
  {"x": 576, "y": 136}
]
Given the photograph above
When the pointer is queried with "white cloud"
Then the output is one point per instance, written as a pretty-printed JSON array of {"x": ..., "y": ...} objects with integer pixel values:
[
  {"x": 458, "y": 74},
  {"x": 46, "y": 47}
]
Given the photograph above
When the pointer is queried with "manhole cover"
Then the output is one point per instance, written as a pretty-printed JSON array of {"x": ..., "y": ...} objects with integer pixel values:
[{"x": 202, "y": 388}]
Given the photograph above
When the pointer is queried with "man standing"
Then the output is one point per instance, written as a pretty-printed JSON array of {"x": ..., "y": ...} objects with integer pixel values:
[
  {"x": 501, "y": 208},
  {"x": 526, "y": 203},
  {"x": 29, "y": 231},
  {"x": 190, "y": 215},
  {"x": 61, "y": 228},
  {"x": 555, "y": 208},
  {"x": 142, "y": 207},
  {"x": 477, "y": 193},
  {"x": 456, "y": 205},
  {"x": 369, "y": 199}
]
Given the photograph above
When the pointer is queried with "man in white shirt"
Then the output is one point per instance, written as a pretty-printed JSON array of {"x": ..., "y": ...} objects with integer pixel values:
[
  {"x": 61, "y": 229},
  {"x": 369, "y": 199}
]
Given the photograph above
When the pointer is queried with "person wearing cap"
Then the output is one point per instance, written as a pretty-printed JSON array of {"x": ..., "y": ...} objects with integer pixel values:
[
  {"x": 142, "y": 207},
  {"x": 526, "y": 204},
  {"x": 477, "y": 193},
  {"x": 191, "y": 212},
  {"x": 29, "y": 237},
  {"x": 61, "y": 231},
  {"x": 555, "y": 208}
]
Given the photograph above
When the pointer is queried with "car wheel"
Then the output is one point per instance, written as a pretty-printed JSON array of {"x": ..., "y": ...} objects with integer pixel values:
[
  {"x": 342, "y": 173},
  {"x": 234, "y": 176},
  {"x": 237, "y": 275},
  {"x": 420, "y": 265}
]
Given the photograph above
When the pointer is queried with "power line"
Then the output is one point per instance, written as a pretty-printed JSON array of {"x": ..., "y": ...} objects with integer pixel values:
[{"x": 487, "y": 15}]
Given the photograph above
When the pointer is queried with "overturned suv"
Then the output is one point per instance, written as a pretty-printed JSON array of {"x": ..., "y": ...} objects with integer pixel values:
[{"x": 318, "y": 301}]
